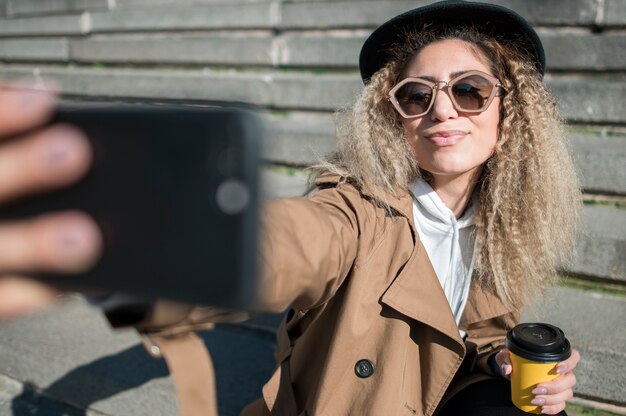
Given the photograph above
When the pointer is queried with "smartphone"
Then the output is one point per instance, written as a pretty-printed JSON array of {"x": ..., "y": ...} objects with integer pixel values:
[{"x": 175, "y": 191}]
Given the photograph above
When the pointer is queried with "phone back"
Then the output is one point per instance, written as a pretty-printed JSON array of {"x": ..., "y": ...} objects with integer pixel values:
[{"x": 175, "y": 191}]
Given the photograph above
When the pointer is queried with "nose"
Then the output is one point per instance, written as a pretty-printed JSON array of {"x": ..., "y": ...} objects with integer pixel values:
[{"x": 443, "y": 107}]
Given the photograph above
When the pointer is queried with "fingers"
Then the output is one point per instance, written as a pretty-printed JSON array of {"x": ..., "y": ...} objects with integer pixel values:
[
  {"x": 68, "y": 242},
  {"x": 51, "y": 158},
  {"x": 552, "y": 403},
  {"x": 20, "y": 295},
  {"x": 560, "y": 384},
  {"x": 553, "y": 395},
  {"x": 504, "y": 362},
  {"x": 23, "y": 108},
  {"x": 553, "y": 409},
  {"x": 569, "y": 364}
]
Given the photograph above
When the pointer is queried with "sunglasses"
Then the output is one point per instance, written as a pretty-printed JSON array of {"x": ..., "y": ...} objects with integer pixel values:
[{"x": 470, "y": 92}]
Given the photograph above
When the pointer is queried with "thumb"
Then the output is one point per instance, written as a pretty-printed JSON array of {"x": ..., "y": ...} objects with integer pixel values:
[{"x": 504, "y": 362}]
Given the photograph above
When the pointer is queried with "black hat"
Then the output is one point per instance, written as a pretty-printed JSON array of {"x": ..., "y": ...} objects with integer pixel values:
[{"x": 496, "y": 20}]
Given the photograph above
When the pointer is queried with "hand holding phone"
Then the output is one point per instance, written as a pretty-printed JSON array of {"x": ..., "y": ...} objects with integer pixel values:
[
  {"x": 174, "y": 190},
  {"x": 33, "y": 161}
]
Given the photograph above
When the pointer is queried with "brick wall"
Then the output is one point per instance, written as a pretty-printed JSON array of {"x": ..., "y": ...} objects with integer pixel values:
[{"x": 298, "y": 59}]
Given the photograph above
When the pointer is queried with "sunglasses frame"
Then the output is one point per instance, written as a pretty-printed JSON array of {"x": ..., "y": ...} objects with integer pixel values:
[{"x": 497, "y": 91}]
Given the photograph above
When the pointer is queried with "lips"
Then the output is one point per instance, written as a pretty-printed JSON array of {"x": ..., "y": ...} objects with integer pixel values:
[{"x": 446, "y": 137}]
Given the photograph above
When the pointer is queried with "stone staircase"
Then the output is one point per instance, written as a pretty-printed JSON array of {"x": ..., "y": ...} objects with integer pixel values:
[{"x": 296, "y": 59}]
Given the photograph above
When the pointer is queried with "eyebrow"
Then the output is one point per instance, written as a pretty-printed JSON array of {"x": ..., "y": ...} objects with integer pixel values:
[{"x": 431, "y": 79}]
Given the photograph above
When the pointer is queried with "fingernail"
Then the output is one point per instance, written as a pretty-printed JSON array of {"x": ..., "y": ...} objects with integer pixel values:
[
  {"x": 71, "y": 236},
  {"x": 59, "y": 150},
  {"x": 76, "y": 243},
  {"x": 560, "y": 369},
  {"x": 503, "y": 368},
  {"x": 540, "y": 390},
  {"x": 31, "y": 98},
  {"x": 538, "y": 401}
]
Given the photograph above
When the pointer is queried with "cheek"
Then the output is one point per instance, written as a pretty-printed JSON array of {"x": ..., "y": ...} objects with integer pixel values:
[
  {"x": 495, "y": 137},
  {"x": 410, "y": 128},
  {"x": 490, "y": 128}
]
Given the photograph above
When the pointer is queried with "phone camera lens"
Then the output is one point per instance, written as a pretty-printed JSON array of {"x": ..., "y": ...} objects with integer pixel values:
[{"x": 232, "y": 196}]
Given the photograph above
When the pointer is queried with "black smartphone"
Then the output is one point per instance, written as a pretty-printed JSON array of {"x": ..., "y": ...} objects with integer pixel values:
[{"x": 175, "y": 191}]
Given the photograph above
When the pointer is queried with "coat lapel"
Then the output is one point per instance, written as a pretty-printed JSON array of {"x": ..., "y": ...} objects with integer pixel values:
[{"x": 416, "y": 291}]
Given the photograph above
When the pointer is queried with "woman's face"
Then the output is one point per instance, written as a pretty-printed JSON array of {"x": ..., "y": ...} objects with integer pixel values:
[{"x": 447, "y": 142}]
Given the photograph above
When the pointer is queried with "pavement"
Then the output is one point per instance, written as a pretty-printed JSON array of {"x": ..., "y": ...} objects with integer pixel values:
[{"x": 68, "y": 361}]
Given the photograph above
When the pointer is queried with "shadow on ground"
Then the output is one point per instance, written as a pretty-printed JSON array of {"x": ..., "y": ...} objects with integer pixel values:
[{"x": 243, "y": 361}]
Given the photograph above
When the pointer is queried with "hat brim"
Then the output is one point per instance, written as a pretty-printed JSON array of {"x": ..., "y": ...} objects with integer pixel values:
[{"x": 495, "y": 20}]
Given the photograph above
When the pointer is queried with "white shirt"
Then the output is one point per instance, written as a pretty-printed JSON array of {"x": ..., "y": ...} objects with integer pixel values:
[{"x": 449, "y": 243}]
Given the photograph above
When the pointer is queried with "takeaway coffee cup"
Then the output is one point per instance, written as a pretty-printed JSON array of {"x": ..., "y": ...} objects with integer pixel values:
[{"x": 535, "y": 350}]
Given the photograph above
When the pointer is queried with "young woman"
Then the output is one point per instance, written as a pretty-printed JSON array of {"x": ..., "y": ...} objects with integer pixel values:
[
  {"x": 447, "y": 206},
  {"x": 445, "y": 209}
]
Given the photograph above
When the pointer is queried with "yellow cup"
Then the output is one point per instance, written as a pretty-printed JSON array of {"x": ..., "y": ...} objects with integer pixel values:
[
  {"x": 525, "y": 377},
  {"x": 535, "y": 349}
]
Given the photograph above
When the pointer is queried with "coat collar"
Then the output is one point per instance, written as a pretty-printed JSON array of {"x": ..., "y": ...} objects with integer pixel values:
[{"x": 401, "y": 202}]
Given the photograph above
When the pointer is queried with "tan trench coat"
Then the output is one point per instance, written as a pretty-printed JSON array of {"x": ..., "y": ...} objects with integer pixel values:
[{"x": 362, "y": 288}]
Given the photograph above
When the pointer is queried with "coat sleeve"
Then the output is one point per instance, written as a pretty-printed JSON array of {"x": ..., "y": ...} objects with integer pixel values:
[
  {"x": 486, "y": 320},
  {"x": 307, "y": 248},
  {"x": 488, "y": 338}
]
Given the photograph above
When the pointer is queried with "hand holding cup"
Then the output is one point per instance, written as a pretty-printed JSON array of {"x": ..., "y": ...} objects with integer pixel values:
[{"x": 543, "y": 381}]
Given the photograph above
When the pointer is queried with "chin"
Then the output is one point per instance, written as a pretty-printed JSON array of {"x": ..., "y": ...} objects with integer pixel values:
[
  {"x": 446, "y": 167},
  {"x": 449, "y": 169}
]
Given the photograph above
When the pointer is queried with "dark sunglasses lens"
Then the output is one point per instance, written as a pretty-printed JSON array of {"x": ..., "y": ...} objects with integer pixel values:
[
  {"x": 414, "y": 98},
  {"x": 472, "y": 92}
]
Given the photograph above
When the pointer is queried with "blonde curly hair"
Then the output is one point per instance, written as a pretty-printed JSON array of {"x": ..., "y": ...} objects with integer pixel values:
[{"x": 529, "y": 195}]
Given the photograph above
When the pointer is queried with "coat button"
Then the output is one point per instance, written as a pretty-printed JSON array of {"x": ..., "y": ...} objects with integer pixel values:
[{"x": 364, "y": 368}]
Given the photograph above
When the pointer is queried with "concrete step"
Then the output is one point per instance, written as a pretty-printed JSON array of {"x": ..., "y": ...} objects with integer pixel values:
[
  {"x": 603, "y": 52},
  {"x": 372, "y": 13},
  {"x": 39, "y": 49},
  {"x": 292, "y": 49},
  {"x": 614, "y": 13},
  {"x": 35, "y": 7},
  {"x": 600, "y": 161},
  {"x": 48, "y": 25},
  {"x": 594, "y": 323},
  {"x": 292, "y": 91},
  {"x": 601, "y": 247},
  {"x": 238, "y": 49},
  {"x": 585, "y": 407},
  {"x": 290, "y": 14},
  {"x": 222, "y": 15}
]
